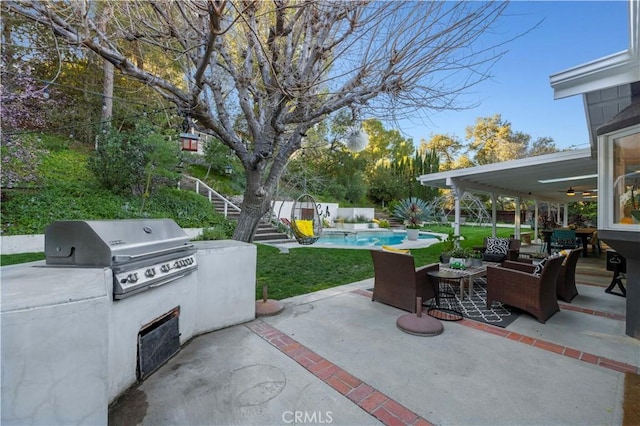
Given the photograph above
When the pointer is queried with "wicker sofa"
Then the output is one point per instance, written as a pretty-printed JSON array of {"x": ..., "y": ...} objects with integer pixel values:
[
  {"x": 512, "y": 253},
  {"x": 397, "y": 282},
  {"x": 535, "y": 294}
]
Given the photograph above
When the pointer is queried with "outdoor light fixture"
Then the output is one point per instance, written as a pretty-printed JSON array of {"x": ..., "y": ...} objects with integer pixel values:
[
  {"x": 228, "y": 169},
  {"x": 189, "y": 141},
  {"x": 571, "y": 192}
]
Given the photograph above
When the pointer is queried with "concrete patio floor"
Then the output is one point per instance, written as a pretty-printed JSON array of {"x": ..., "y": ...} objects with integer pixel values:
[{"x": 336, "y": 357}]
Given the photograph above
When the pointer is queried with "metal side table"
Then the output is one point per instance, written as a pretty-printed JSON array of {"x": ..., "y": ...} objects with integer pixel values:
[{"x": 446, "y": 306}]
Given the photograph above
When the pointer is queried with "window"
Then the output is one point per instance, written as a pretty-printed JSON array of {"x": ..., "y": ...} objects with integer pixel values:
[{"x": 619, "y": 181}]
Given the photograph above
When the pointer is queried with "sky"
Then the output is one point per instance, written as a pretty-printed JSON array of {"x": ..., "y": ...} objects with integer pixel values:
[{"x": 571, "y": 33}]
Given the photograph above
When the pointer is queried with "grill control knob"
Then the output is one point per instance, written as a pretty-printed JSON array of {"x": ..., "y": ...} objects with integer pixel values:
[
  {"x": 165, "y": 268},
  {"x": 150, "y": 272},
  {"x": 132, "y": 278}
]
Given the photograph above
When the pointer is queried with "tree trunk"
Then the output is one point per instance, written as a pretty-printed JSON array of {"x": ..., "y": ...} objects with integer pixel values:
[
  {"x": 256, "y": 203},
  {"x": 107, "y": 85},
  {"x": 107, "y": 95}
]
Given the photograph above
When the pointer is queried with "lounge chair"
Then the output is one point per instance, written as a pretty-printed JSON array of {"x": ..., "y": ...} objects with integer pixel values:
[
  {"x": 397, "y": 282},
  {"x": 533, "y": 293}
]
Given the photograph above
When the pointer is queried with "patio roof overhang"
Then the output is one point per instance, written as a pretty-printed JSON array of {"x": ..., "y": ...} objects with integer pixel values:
[{"x": 543, "y": 178}]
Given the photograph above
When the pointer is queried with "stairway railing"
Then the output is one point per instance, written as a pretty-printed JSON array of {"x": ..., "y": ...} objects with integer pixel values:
[{"x": 211, "y": 193}]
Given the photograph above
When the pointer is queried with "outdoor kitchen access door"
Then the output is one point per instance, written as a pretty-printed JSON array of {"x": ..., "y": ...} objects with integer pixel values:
[{"x": 158, "y": 342}]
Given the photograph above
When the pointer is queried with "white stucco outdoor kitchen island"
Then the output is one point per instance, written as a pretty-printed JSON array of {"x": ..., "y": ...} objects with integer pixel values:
[{"x": 69, "y": 349}]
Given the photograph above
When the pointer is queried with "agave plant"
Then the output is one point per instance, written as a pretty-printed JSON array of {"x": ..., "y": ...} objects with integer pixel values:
[{"x": 412, "y": 211}]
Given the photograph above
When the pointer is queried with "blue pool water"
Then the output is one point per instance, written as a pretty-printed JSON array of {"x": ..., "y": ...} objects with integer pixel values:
[{"x": 363, "y": 239}]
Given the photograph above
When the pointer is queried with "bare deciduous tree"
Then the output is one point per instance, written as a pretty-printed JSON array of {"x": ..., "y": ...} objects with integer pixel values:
[{"x": 260, "y": 74}]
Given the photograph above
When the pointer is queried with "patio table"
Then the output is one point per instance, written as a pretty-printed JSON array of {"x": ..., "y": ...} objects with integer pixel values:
[{"x": 468, "y": 275}]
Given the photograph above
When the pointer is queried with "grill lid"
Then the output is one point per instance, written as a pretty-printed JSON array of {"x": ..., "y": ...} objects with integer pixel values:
[{"x": 94, "y": 243}]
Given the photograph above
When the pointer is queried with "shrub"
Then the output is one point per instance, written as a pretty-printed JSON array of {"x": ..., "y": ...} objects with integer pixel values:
[
  {"x": 135, "y": 161},
  {"x": 21, "y": 158},
  {"x": 412, "y": 211},
  {"x": 218, "y": 232}
]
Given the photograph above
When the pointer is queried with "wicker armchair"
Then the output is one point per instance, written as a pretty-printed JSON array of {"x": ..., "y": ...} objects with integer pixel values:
[
  {"x": 535, "y": 294},
  {"x": 567, "y": 277},
  {"x": 566, "y": 286},
  {"x": 397, "y": 282}
]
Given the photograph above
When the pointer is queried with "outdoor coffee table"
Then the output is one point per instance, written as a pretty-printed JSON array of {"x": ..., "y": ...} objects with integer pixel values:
[
  {"x": 469, "y": 274},
  {"x": 440, "y": 280}
]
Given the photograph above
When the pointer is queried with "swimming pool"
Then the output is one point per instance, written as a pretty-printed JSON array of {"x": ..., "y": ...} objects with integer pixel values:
[{"x": 366, "y": 238}]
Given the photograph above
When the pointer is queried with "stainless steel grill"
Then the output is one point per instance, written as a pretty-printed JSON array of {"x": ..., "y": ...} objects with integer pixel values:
[{"x": 142, "y": 253}]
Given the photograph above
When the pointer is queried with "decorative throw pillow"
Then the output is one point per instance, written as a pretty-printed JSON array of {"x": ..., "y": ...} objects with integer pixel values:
[
  {"x": 497, "y": 245},
  {"x": 539, "y": 267},
  {"x": 561, "y": 254},
  {"x": 305, "y": 227},
  {"x": 395, "y": 250}
]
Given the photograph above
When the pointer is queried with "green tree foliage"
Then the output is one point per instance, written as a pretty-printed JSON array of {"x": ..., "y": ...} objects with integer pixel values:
[
  {"x": 447, "y": 147},
  {"x": 64, "y": 91},
  {"x": 385, "y": 146},
  {"x": 216, "y": 155},
  {"x": 543, "y": 145},
  {"x": 385, "y": 185},
  {"x": 135, "y": 160},
  {"x": 492, "y": 139}
]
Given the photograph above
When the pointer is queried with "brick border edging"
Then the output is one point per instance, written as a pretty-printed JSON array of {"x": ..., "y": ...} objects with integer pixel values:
[
  {"x": 592, "y": 312},
  {"x": 372, "y": 401},
  {"x": 553, "y": 347}
]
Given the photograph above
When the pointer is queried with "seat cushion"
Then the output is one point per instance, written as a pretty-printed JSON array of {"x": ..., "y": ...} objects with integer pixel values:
[
  {"x": 497, "y": 245},
  {"x": 305, "y": 227},
  {"x": 492, "y": 257}
]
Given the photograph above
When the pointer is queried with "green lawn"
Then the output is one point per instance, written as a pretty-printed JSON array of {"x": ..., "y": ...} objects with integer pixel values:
[
  {"x": 13, "y": 259},
  {"x": 308, "y": 269}
]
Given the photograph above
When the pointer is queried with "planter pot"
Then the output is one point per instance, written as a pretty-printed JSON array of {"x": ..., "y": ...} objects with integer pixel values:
[
  {"x": 412, "y": 234},
  {"x": 460, "y": 260},
  {"x": 476, "y": 262}
]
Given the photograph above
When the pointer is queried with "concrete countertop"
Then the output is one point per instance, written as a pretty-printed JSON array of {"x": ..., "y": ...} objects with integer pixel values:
[{"x": 34, "y": 284}]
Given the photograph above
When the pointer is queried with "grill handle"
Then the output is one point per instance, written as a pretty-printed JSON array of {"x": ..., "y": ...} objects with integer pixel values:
[
  {"x": 168, "y": 280},
  {"x": 125, "y": 257}
]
